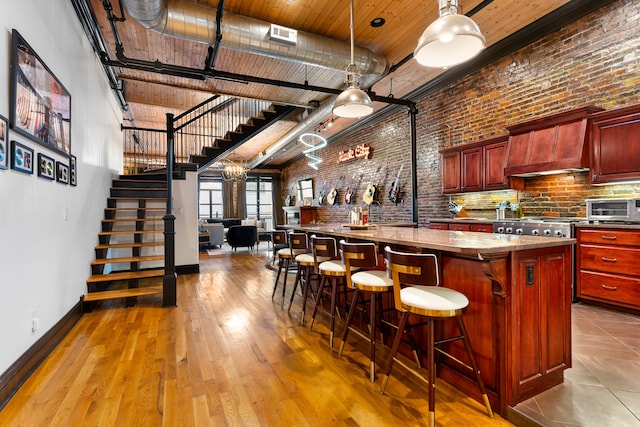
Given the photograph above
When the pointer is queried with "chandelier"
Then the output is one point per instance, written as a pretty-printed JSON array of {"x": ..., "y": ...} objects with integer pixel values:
[{"x": 234, "y": 171}]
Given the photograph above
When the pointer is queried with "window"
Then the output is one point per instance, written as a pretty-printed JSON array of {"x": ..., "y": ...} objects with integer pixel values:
[
  {"x": 210, "y": 198},
  {"x": 259, "y": 197}
]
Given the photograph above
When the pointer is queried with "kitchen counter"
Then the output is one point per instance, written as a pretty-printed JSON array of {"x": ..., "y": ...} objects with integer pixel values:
[
  {"x": 461, "y": 242},
  {"x": 519, "y": 313}
]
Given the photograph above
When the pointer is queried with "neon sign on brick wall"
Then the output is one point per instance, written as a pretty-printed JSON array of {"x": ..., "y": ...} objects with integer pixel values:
[{"x": 361, "y": 151}]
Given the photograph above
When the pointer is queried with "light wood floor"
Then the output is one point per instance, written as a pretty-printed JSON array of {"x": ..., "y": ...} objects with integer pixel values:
[{"x": 226, "y": 356}]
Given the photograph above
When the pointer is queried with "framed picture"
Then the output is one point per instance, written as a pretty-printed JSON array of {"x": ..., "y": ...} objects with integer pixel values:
[
  {"x": 73, "y": 170},
  {"x": 62, "y": 173},
  {"x": 4, "y": 139},
  {"x": 21, "y": 158},
  {"x": 46, "y": 167},
  {"x": 40, "y": 105}
]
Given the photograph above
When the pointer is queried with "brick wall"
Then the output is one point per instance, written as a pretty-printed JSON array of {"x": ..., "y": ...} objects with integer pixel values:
[{"x": 595, "y": 60}]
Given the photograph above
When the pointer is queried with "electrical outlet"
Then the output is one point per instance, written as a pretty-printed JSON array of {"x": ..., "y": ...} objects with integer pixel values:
[{"x": 35, "y": 322}]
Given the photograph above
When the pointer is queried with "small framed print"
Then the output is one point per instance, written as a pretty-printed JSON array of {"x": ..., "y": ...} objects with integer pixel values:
[
  {"x": 21, "y": 158},
  {"x": 73, "y": 165},
  {"x": 46, "y": 167},
  {"x": 62, "y": 173},
  {"x": 4, "y": 139}
]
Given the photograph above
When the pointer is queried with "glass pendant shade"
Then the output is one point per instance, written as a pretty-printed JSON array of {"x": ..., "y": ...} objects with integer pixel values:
[
  {"x": 449, "y": 40},
  {"x": 353, "y": 103}
]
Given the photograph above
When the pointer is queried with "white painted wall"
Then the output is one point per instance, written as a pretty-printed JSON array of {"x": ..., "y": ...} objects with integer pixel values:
[
  {"x": 185, "y": 209},
  {"x": 48, "y": 231}
]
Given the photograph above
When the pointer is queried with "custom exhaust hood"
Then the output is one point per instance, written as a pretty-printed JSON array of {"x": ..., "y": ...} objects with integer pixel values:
[{"x": 550, "y": 144}]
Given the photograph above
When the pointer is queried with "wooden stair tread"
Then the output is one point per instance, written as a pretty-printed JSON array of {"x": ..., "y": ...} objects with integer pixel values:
[
  {"x": 101, "y": 261},
  {"x": 126, "y": 232},
  {"x": 122, "y": 293},
  {"x": 139, "y": 189},
  {"x": 129, "y": 245},
  {"x": 135, "y": 199},
  {"x": 125, "y": 275},
  {"x": 156, "y": 208},
  {"x": 134, "y": 219}
]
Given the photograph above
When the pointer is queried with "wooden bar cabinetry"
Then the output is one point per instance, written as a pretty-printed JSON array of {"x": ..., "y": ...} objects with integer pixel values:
[{"x": 299, "y": 215}]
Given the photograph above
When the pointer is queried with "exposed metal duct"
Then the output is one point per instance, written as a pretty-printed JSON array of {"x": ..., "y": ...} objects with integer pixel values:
[
  {"x": 197, "y": 23},
  {"x": 305, "y": 125}
]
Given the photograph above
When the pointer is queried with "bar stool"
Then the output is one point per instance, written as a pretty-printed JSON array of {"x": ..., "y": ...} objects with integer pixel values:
[
  {"x": 307, "y": 272},
  {"x": 423, "y": 296},
  {"x": 374, "y": 282},
  {"x": 332, "y": 272},
  {"x": 297, "y": 245}
]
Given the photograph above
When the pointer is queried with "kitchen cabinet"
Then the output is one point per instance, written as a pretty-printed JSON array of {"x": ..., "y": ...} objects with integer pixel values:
[
  {"x": 482, "y": 228},
  {"x": 493, "y": 166},
  {"x": 439, "y": 226},
  {"x": 478, "y": 166},
  {"x": 471, "y": 169},
  {"x": 615, "y": 145},
  {"x": 451, "y": 172},
  {"x": 461, "y": 226},
  {"x": 607, "y": 266}
]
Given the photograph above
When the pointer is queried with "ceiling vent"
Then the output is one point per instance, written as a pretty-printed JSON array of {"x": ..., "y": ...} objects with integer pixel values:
[{"x": 283, "y": 34}]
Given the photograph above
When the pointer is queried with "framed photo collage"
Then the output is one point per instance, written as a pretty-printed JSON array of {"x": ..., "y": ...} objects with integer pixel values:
[{"x": 40, "y": 110}]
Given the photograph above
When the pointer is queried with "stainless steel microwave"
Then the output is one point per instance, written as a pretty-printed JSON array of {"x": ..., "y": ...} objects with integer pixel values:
[{"x": 614, "y": 209}]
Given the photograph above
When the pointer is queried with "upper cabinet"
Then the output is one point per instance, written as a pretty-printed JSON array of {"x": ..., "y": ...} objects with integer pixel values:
[
  {"x": 551, "y": 143},
  {"x": 615, "y": 145},
  {"x": 450, "y": 162},
  {"x": 476, "y": 167}
]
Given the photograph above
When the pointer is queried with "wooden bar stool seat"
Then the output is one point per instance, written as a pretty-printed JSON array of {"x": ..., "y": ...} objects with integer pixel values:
[
  {"x": 307, "y": 272},
  {"x": 370, "y": 281},
  {"x": 416, "y": 291},
  {"x": 333, "y": 273},
  {"x": 297, "y": 244}
]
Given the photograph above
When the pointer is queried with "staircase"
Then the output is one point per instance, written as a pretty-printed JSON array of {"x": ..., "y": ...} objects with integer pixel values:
[
  {"x": 131, "y": 240},
  {"x": 233, "y": 139}
]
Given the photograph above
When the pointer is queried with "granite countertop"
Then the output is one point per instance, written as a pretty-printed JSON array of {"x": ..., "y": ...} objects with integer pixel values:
[{"x": 463, "y": 242}]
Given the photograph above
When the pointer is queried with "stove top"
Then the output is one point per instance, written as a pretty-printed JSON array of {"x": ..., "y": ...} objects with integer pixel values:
[{"x": 534, "y": 227}]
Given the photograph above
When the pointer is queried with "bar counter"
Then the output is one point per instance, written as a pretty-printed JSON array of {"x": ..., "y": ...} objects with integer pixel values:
[{"x": 519, "y": 313}]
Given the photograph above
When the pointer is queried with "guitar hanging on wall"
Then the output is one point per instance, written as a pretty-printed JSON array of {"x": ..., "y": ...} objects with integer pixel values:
[
  {"x": 333, "y": 193},
  {"x": 394, "y": 192},
  {"x": 372, "y": 192},
  {"x": 350, "y": 191},
  {"x": 322, "y": 195}
]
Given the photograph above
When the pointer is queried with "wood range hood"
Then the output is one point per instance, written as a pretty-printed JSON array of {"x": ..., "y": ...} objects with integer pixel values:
[{"x": 550, "y": 144}]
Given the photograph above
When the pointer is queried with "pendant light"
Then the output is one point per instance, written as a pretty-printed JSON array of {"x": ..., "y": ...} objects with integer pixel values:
[
  {"x": 449, "y": 40},
  {"x": 353, "y": 102}
]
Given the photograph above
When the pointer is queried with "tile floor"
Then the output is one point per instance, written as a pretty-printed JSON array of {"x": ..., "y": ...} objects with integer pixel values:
[{"x": 602, "y": 388}]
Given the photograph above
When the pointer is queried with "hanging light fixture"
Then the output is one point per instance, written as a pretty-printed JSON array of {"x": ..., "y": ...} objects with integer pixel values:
[
  {"x": 315, "y": 142},
  {"x": 234, "y": 171},
  {"x": 449, "y": 40},
  {"x": 353, "y": 102}
]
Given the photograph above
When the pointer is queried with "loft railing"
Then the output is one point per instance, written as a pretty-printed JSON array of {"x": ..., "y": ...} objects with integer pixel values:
[{"x": 145, "y": 149}]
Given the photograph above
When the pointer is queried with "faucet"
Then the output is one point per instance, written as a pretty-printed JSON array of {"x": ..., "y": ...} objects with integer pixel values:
[{"x": 500, "y": 209}]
